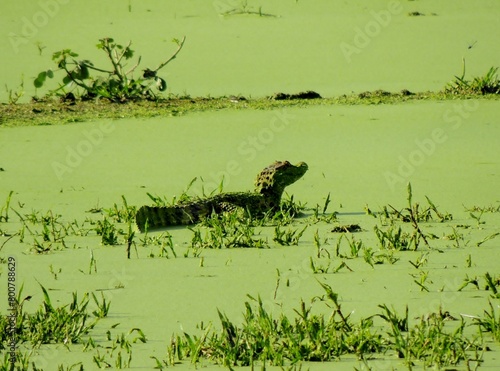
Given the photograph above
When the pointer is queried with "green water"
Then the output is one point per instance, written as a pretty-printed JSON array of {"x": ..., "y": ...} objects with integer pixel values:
[
  {"x": 350, "y": 151},
  {"x": 333, "y": 47},
  {"x": 361, "y": 155}
]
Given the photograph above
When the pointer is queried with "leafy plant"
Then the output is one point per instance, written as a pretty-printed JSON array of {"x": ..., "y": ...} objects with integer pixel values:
[{"x": 117, "y": 83}]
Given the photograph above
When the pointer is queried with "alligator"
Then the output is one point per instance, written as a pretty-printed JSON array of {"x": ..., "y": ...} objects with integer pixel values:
[{"x": 269, "y": 187}]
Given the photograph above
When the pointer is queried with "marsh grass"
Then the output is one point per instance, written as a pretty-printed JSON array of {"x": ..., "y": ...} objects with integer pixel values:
[
  {"x": 483, "y": 209},
  {"x": 244, "y": 8},
  {"x": 490, "y": 283},
  {"x": 487, "y": 84},
  {"x": 118, "y": 353},
  {"x": 22, "y": 362},
  {"x": 283, "y": 340},
  {"x": 183, "y": 198},
  {"x": 487, "y": 238},
  {"x": 67, "y": 324},
  {"x": 47, "y": 230},
  {"x": 490, "y": 322},
  {"x": 320, "y": 213},
  {"x": 373, "y": 258},
  {"x": 163, "y": 242},
  {"x": 107, "y": 231},
  {"x": 395, "y": 238},
  {"x": 288, "y": 237},
  {"x": 457, "y": 238},
  {"x": 227, "y": 230},
  {"x": 4, "y": 210},
  {"x": 355, "y": 246},
  {"x": 413, "y": 213},
  {"x": 17, "y": 93},
  {"x": 122, "y": 214}
]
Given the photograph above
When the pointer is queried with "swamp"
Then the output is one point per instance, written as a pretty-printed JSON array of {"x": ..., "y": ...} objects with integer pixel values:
[{"x": 381, "y": 256}]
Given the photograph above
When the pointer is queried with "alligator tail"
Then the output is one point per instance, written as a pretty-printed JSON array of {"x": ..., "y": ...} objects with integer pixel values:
[{"x": 164, "y": 216}]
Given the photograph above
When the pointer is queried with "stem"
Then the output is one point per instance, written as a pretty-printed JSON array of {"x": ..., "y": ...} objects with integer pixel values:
[
  {"x": 80, "y": 84},
  {"x": 134, "y": 67},
  {"x": 417, "y": 228},
  {"x": 123, "y": 52},
  {"x": 116, "y": 67},
  {"x": 181, "y": 44},
  {"x": 95, "y": 68}
]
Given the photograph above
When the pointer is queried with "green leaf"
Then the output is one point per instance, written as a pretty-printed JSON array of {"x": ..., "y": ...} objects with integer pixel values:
[
  {"x": 409, "y": 193},
  {"x": 40, "y": 79},
  {"x": 66, "y": 80},
  {"x": 50, "y": 74},
  {"x": 38, "y": 83},
  {"x": 129, "y": 53},
  {"x": 46, "y": 296},
  {"x": 83, "y": 71}
]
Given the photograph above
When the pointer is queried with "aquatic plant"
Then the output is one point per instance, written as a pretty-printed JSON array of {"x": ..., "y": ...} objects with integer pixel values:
[
  {"x": 107, "y": 231},
  {"x": 394, "y": 238},
  {"x": 4, "y": 210},
  {"x": 49, "y": 324},
  {"x": 490, "y": 322},
  {"x": 413, "y": 213},
  {"x": 18, "y": 93},
  {"x": 490, "y": 283},
  {"x": 487, "y": 84},
  {"x": 323, "y": 216},
  {"x": 372, "y": 257},
  {"x": 244, "y": 8},
  {"x": 487, "y": 238},
  {"x": 116, "y": 84},
  {"x": 318, "y": 338},
  {"x": 226, "y": 230},
  {"x": 483, "y": 209},
  {"x": 164, "y": 243},
  {"x": 288, "y": 237},
  {"x": 122, "y": 214}
]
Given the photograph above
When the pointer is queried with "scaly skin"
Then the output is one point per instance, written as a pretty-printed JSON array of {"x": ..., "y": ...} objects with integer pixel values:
[{"x": 269, "y": 187}]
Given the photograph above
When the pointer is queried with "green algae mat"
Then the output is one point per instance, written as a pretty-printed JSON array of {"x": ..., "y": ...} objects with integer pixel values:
[
  {"x": 384, "y": 255},
  {"x": 67, "y": 228}
]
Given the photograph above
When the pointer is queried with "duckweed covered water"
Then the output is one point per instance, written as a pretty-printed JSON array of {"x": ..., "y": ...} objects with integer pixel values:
[
  {"x": 357, "y": 154},
  {"x": 363, "y": 156}
]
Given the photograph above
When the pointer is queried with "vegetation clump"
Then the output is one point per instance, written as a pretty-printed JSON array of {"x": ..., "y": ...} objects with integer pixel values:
[
  {"x": 117, "y": 84},
  {"x": 53, "y": 325},
  {"x": 319, "y": 338},
  {"x": 487, "y": 84}
]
